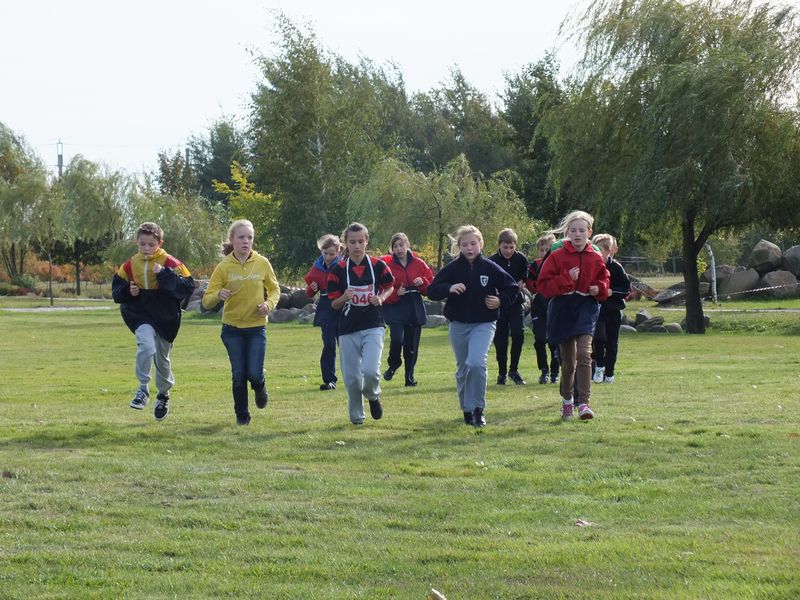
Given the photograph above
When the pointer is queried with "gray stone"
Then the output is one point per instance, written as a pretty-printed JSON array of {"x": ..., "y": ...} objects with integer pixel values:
[
  {"x": 306, "y": 318},
  {"x": 723, "y": 272},
  {"x": 790, "y": 261},
  {"x": 627, "y": 329},
  {"x": 435, "y": 321},
  {"x": 765, "y": 257},
  {"x": 784, "y": 282},
  {"x": 649, "y": 324},
  {"x": 283, "y": 300},
  {"x": 676, "y": 294},
  {"x": 657, "y": 329},
  {"x": 298, "y": 299},
  {"x": 673, "y": 327},
  {"x": 737, "y": 282},
  {"x": 283, "y": 315},
  {"x": 308, "y": 309},
  {"x": 641, "y": 317}
]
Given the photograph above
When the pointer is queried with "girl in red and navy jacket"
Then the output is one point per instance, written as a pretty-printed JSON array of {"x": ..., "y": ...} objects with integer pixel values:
[
  {"x": 325, "y": 317},
  {"x": 475, "y": 289},
  {"x": 404, "y": 311},
  {"x": 358, "y": 286},
  {"x": 575, "y": 277}
]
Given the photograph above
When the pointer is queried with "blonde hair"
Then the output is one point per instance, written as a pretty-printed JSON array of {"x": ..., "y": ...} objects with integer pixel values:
[
  {"x": 507, "y": 236},
  {"x": 227, "y": 246},
  {"x": 547, "y": 238},
  {"x": 398, "y": 236},
  {"x": 150, "y": 229},
  {"x": 328, "y": 240},
  {"x": 563, "y": 226},
  {"x": 605, "y": 241},
  {"x": 455, "y": 242}
]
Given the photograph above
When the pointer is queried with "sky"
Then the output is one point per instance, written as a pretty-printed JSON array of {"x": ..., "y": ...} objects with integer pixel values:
[{"x": 118, "y": 82}]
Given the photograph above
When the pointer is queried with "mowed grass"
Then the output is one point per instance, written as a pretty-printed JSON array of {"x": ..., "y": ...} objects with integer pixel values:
[{"x": 689, "y": 475}]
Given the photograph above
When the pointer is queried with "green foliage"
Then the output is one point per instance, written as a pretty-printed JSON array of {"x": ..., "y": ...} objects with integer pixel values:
[
  {"x": 245, "y": 202},
  {"x": 212, "y": 155},
  {"x": 175, "y": 176},
  {"x": 25, "y": 280}
]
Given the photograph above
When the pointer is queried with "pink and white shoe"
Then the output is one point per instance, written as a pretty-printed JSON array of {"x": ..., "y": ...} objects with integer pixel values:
[
  {"x": 566, "y": 411},
  {"x": 584, "y": 412}
]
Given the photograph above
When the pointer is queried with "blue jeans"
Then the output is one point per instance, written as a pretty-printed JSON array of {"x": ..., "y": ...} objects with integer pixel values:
[{"x": 247, "y": 347}]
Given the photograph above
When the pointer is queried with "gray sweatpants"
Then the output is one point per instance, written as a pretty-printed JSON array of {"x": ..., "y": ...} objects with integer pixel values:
[
  {"x": 360, "y": 361},
  {"x": 153, "y": 349},
  {"x": 470, "y": 342}
]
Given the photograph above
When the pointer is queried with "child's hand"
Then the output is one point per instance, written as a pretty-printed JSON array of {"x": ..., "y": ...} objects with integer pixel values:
[
  {"x": 348, "y": 294},
  {"x": 263, "y": 309},
  {"x": 157, "y": 268},
  {"x": 134, "y": 289},
  {"x": 458, "y": 288},
  {"x": 418, "y": 281},
  {"x": 594, "y": 290},
  {"x": 314, "y": 286},
  {"x": 492, "y": 302},
  {"x": 574, "y": 272},
  {"x": 401, "y": 291},
  {"x": 375, "y": 300},
  {"x": 225, "y": 293}
]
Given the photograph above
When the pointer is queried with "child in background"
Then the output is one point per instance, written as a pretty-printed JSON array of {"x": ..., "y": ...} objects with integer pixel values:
[
  {"x": 512, "y": 318},
  {"x": 404, "y": 311},
  {"x": 606, "y": 334},
  {"x": 474, "y": 289},
  {"x": 150, "y": 287},
  {"x": 575, "y": 278},
  {"x": 358, "y": 286},
  {"x": 246, "y": 283},
  {"x": 325, "y": 317},
  {"x": 539, "y": 315}
]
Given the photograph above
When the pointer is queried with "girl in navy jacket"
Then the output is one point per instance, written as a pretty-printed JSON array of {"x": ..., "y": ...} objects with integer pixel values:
[
  {"x": 475, "y": 289},
  {"x": 575, "y": 277},
  {"x": 325, "y": 317}
]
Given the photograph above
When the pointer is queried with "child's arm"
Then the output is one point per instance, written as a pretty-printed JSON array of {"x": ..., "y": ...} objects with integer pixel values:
[
  {"x": 439, "y": 289},
  {"x": 312, "y": 287},
  {"x": 427, "y": 278},
  {"x": 272, "y": 288},
  {"x": 121, "y": 289},
  {"x": 175, "y": 279},
  {"x": 602, "y": 281},
  {"x": 216, "y": 284},
  {"x": 553, "y": 280}
]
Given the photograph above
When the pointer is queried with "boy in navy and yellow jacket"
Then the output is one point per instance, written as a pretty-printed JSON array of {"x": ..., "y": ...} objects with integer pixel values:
[{"x": 150, "y": 287}]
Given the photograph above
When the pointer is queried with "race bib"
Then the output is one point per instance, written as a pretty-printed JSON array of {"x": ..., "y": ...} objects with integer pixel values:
[{"x": 361, "y": 294}]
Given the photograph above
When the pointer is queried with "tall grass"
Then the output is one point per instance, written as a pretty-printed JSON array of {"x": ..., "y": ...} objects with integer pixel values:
[{"x": 687, "y": 480}]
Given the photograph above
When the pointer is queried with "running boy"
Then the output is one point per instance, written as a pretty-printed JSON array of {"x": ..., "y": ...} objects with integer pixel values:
[
  {"x": 149, "y": 287},
  {"x": 512, "y": 318}
]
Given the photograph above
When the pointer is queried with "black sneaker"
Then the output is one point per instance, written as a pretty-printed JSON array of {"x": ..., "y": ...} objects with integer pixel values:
[
  {"x": 554, "y": 378},
  {"x": 545, "y": 376},
  {"x": 478, "y": 420},
  {"x": 516, "y": 378},
  {"x": 262, "y": 396},
  {"x": 327, "y": 386},
  {"x": 467, "y": 418},
  {"x": 243, "y": 419},
  {"x": 140, "y": 399},
  {"x": 388, "y": 374},
  {"x": 501, "y": 380},
  {"x": 411, "y": 382},
  {"x": 375, "y": 409},
  {"x": 161, "y": 409}
]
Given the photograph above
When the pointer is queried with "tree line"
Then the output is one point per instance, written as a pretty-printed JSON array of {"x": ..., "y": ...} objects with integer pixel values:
[{"x": 681, "y": 122}]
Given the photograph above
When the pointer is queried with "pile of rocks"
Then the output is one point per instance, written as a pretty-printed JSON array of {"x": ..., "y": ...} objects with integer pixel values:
[{"x": 644, "y": 323}]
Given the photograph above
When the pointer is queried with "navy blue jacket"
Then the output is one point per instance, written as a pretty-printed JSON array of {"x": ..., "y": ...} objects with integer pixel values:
[
  {"x": 619, "y": 287},
  {"x": 516, "y": 266},
  {"x": 482, "y": 278}
]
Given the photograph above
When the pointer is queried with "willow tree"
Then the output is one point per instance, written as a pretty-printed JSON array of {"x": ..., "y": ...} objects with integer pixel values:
[{"x": 683, "y": 116}]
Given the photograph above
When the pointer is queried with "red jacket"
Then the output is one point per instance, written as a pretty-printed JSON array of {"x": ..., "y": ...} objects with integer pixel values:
[
  {"x": 404, "y": 276},
  {"x": 554, "y": 279},
  {"x": 319, "y": 273}
]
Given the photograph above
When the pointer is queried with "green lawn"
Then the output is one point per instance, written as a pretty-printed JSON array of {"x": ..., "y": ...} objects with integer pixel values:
[{"x": 690, "y": 475}]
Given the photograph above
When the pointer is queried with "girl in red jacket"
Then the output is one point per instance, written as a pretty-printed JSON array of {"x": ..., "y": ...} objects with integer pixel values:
[
  {"x": 404, "y": 311},
  {"x": 325, "y": 317},
  {"x": 575, "y": 277}
]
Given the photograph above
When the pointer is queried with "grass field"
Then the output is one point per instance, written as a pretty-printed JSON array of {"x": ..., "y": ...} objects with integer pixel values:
[{"x": 689, "y": 476}]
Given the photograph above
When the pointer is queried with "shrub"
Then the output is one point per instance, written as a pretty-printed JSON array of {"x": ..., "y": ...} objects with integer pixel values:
[{"x": 25, "y": 280}]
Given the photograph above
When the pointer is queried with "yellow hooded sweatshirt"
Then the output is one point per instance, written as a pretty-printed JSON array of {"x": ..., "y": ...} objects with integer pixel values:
[{"x": 250, "y": 284}]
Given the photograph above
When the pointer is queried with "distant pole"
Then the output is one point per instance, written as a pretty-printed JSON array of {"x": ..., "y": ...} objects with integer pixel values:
[{"x": 60, "y": 150}]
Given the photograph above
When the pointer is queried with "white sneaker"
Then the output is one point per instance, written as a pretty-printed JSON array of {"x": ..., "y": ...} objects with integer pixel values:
[
  {"x": 598, "y": 374},
  {"x": 609, "y": 379}
]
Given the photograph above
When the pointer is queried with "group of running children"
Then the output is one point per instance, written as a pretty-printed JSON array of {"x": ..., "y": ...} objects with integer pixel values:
[{"x": 578, "y": 292}]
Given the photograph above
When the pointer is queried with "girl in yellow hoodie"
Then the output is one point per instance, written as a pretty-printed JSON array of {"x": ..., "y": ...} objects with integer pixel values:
[{"x": 246, "y": 283}]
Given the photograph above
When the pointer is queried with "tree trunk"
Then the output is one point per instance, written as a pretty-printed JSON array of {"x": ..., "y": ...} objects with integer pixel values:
[
  {"x": 695, "y": 322},
  {"x": 77, "y": 268}
]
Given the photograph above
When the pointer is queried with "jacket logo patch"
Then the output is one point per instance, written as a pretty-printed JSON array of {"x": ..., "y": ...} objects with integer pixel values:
[{"x": 484, "y": 280}]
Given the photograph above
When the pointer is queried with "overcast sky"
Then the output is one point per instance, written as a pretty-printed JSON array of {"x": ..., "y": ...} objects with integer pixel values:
[{"x": 120, "y": 81}]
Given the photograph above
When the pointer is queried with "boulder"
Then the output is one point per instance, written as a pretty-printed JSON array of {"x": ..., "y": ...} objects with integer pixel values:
[
  {"x": 790, "y": 261},
  {"x": 783, "y": 284},
  {"x": 306, "y": 318},
  {"x": 435, "y": 321},
  {"x": 641, "y": 317},
  {"x": 673, "y": 327},
  {"x": 627, "y": 329},
  {"x": 650, "y": 324},
  {"x": 283, "y": 300},
  {"x": 737, "y": 283},
  {"x": 676, "y": 294},
  {"x": 308, "y": 309},
  {"x": 657, "y": 329},
  {"x": 283, "y": 315},
  {"x": 765, "y": 257},
  {"x": 639, "y": 289},
  {"x": 298, "y": 299},
  {"x": 723, "y": 272}
]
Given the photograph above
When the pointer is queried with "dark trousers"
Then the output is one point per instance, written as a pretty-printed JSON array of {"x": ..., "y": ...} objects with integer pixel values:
[
  {"x": 511, "y": 322},
  {"x": 405, "y": 339},
  {"x": 327, "y": 360},
  {"x": 606, "y": 340},
  {"x": 247, "y": 347},
  {"x": 540, "y": 344}
]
